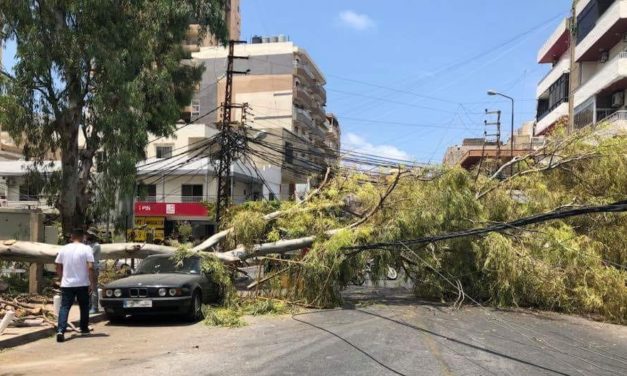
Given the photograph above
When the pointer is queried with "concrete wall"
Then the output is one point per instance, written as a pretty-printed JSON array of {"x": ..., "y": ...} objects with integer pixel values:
[{"x": 21, "y": 224}]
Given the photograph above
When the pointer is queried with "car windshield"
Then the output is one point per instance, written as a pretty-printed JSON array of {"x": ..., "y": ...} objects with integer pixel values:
[{"x": 158, "y": 265}]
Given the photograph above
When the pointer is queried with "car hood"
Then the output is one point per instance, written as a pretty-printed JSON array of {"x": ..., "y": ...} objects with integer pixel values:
[{"x": 153, "y": 280}]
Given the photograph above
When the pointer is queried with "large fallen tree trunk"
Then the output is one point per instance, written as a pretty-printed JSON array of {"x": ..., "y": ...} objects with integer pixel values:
[{"x": 46, "y": 253}]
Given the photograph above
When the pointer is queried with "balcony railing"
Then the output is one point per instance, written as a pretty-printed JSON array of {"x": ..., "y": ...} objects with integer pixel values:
[{"x": 614, "y": 117}]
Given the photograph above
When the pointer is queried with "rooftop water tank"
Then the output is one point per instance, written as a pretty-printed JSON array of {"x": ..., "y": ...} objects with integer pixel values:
[
  {"x": 282, "y": 38},
  {"x": 257, "y": 39},
  {"x": 265, "y": 40},
  {"x": 274, "y": 39}
]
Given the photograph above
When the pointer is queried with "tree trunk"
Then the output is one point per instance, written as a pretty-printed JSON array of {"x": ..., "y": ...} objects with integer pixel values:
[{"x": 69, "y": 180}]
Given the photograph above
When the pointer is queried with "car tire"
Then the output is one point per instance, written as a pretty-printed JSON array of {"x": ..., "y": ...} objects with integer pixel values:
[
  {"x": 392, "y": 274},
  {"x": 115, "y": 318},
  {"x": 195, "y": 308}
]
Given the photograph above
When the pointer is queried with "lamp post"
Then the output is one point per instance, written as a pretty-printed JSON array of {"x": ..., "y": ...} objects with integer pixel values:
[{"x": 511, "y": 141}]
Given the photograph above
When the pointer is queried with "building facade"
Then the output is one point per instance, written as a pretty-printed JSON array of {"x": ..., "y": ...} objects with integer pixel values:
[
  {"x": 284, "y": 90},
  {"x": 474, "y": 152},
  {"x": 177, "y": 183},
  {"x": 599, "y": 70}
]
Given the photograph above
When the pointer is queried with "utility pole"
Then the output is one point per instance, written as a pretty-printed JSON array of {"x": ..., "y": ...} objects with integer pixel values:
[
  {"x": 572, "y": 79},
  {"x": 227, "y": 138},
  {"x": 488, "y": 137}
]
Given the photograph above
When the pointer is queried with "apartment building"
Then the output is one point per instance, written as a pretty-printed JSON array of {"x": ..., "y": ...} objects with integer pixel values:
[
  {"x": 599, "y": 70},
  {"x": 284, "y": 90}
]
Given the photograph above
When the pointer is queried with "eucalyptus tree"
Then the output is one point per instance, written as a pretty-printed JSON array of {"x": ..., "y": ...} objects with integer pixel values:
[{"x": 94, "y": 78}]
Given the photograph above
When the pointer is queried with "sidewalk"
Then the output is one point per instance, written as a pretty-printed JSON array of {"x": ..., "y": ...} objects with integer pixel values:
[{"x": 20, "y": 336}]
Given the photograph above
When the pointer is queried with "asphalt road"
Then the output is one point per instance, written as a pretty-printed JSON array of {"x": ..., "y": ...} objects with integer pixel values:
[{"x": 388, "y": 333}]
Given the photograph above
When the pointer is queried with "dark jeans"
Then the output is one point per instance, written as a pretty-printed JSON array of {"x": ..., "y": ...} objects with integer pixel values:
[{"x": 68, "y": 295}]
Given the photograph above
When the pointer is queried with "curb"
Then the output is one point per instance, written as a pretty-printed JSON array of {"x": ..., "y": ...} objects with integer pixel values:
[{"x": 42, "y": 333}]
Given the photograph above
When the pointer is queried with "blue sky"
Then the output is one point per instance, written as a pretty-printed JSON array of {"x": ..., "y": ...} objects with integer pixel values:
[
  {"x": 407, "y": 78},
  {"x": 416, "y": 48}
]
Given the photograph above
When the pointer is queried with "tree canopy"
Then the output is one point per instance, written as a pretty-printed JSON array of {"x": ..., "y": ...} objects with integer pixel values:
[
  {"x": 570, "y": 264},
  {"x": 94, "y": 78}
]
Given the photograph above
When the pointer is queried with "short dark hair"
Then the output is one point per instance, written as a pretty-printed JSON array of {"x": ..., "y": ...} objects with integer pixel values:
[{"x": 78, "y": 233}]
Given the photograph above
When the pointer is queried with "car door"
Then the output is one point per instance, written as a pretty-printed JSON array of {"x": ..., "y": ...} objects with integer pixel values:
[{"x": 204, "y": 283}]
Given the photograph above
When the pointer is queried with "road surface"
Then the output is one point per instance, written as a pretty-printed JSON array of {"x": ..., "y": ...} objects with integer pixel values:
[{"x": 388, "y": 333}]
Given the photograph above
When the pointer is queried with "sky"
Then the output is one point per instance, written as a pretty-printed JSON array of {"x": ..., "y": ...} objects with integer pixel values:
[{"x": 408, "y": 78}]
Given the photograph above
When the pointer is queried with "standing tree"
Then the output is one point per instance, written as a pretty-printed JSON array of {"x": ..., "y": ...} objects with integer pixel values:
[{"x": 95, "y": 78}]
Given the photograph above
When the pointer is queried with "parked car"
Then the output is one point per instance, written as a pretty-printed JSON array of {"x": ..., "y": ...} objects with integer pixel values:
[{"x": 161, "y": 286}]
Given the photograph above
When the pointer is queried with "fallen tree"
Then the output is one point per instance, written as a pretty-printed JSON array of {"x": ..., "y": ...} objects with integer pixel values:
[{"x": 519, "y": 251}]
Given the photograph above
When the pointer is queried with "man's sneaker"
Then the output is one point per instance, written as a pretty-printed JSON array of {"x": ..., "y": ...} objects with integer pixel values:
[
  {"x": 85, "y": 332},
  {"x": 60, "y": 337},
  {"x": 93, "y": 311}
]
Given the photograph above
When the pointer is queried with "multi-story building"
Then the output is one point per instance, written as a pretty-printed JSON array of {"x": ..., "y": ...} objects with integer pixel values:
[
  {"x": 599, "y": 76},
  {"x": 177, "y": 183},
  {"x": 284, "y": 90}
]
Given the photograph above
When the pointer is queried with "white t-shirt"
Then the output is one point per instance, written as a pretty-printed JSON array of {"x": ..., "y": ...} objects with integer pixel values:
[{"x": 74, "y": 257}]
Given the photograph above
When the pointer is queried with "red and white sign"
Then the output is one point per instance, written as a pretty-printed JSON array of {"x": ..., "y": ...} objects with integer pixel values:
[{"x": 160, "y": 209}]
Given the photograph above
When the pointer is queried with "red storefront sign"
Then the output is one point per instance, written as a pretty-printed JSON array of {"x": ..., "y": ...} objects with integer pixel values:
[{"x": 161, "y": 209}]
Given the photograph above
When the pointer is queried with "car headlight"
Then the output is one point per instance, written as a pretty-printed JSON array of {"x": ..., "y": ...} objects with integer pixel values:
[
  {"x": 117, "y": 293},
  {"x": 172, "y": 292},
  {"x": 162, "y": 292}
]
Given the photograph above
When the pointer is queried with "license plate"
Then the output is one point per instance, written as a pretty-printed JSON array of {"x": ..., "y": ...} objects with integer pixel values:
[{"x": 138, "y": 304}]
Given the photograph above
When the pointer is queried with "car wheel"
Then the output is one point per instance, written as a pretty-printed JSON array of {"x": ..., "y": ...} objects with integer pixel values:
[
  {"x": 115, "y": 318},
  {"x": 392, "y": 274},
  {"x": 195, "y": 308}
]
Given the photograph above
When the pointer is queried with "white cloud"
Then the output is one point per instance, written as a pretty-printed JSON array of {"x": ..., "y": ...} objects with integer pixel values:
[
  {"x": 354, "y": 142},
  {"x": 357, "y": 21}
]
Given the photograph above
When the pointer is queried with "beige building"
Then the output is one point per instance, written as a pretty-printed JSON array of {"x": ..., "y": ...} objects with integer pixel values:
[
  {"x": 284, "y": 90},
  {"x": 599, "y": 77},
  {"x": 233, "y": 19}
]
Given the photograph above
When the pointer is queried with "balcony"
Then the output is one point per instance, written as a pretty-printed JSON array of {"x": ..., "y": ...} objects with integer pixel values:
[
  {"x": 303, "y": 117},
  {"x": 612, "y": 77},
  {"x": 556, "y": 45},
  {"x": 606, "y": 32},
  {"x": 548, "y": 119},
  {"x": 552, "y": 76},
  {"x": 302, "y": 97},
  {"x": 303, "y": 70}
]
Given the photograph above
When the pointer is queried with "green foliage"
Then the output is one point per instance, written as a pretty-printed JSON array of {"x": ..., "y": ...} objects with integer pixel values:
[
  {"x": 574, "y": 265},
  {"x": 111, "y": 71},
  {"x": 184, "y": 229},
  {"x": 212, "y": 266},
  {"x": 225, "y": 317},
  {"x": 249, "y": 227}
]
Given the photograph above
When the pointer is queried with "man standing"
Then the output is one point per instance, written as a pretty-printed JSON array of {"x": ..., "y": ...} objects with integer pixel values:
[
  {"x": 75, "y": 266},
  {"x": 92, "y": 242}
]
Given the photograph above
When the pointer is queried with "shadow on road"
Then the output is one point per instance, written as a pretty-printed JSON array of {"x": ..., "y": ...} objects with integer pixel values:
[
  {"x": 79, "y": 337},
  {"x": 151, "y": 321}
]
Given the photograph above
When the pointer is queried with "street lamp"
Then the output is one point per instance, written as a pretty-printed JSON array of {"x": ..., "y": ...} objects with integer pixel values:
[{"x": 493, "y": 93}]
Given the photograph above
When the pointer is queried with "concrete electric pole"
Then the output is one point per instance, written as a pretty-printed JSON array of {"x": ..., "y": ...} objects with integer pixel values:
[{"x": 227, "y": 139}]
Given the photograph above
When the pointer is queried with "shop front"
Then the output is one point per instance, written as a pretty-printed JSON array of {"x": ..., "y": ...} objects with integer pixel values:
[{"x": 157, "y": 221}]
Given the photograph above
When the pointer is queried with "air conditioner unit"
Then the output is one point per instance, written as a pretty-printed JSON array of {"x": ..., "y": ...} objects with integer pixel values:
[
  {"x": 618, "y": 99},
  {"x": 605, "y": 56}
]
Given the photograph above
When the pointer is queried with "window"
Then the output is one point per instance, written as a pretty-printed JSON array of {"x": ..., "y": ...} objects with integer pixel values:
[
  {"x": 192, "y": 192},
  {"x": 164, "y": 151},
  {"x": 289, "y": 153},
  {"x": 29, "y": 192},
  {"x": 195, "y": 108},
  {"x": 147, "y": 192},
  {"x": 32, "y": 187}
]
